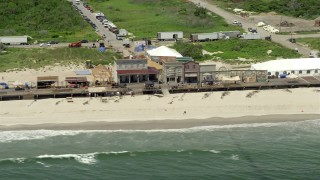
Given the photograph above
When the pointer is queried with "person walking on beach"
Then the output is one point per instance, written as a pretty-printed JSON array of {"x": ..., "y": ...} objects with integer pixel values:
[{"x": 184, "y": 112}]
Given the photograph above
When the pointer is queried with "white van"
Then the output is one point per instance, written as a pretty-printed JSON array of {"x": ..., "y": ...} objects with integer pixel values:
[
  {"x": 105, "y": 21},
  {"x": 77, "y": 1}
]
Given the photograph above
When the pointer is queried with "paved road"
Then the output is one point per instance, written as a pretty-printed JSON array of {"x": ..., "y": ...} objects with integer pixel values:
[
  {"x": 111, "y": 37},
  {"x": 246, "y": 23}
]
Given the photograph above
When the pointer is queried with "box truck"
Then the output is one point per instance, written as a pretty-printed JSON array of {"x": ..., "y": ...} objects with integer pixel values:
[
  {"x": 165, "y": 36},
  {"x": 204, "y": 37},
  {"x": 14, "y": 40}
]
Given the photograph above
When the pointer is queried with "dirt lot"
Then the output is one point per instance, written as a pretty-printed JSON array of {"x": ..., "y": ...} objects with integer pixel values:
[{"x": 274, "y": 20}]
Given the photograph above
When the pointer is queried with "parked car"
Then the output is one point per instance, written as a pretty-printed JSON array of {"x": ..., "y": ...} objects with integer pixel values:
[
  {"x": 53, "y": 42},
  {"x": 237, "y": 23},
  {"x": 84, "y": 41},
  {"x": 75, "y": 44},
  {"x": 45, "y": 44}
]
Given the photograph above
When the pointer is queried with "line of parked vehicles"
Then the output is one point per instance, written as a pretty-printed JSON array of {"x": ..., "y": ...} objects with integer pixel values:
[{"x": 120, "y": 33}]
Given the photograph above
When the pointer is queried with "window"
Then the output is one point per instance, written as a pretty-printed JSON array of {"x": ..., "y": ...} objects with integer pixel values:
[
  {"x": 300, "y": 72},
  {"x": 308, "y": 71},
  {"x": 187, "y": 66},
  {"x": 194, "y": 66},
  {"x": 292, "y": 72},
  {"x": 269, "y": 73}
]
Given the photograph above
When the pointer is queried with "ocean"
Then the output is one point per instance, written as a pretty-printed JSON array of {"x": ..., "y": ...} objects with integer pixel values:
[{"x": 287, "y": 150}]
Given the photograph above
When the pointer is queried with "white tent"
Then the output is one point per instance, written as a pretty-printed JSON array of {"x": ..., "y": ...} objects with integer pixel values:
[
  {"x": 164, "y": 51},
  {"x": 289, "y": 65}
]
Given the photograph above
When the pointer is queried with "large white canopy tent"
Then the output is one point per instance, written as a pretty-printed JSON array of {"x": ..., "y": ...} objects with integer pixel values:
[
  {"x": 303, "y": 66},
  {"x": 163, "y": 51}
]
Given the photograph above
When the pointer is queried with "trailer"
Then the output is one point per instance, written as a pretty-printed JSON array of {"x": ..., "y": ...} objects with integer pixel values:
[
  {"x": 14, "y": 40},
  {"x": 250, "y": 36},
  {"x": 231, "y": 34},
  {"x": 204, "y": 37},
  {"x": 163, "y": 36}
]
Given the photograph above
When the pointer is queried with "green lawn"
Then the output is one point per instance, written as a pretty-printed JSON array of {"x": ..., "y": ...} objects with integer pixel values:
[
  {"x": 256, "y": 50},
  {"x": 144, "y": 18},
  {"x": 314, "y": 43},
  {"x": 21, "y": 58}
]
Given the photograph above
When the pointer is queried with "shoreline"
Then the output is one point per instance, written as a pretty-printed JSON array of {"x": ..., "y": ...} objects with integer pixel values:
[{"x": 164, "y": 124}]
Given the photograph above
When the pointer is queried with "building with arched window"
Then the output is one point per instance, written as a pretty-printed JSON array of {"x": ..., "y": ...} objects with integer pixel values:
[{"x": 299, "y": 67}]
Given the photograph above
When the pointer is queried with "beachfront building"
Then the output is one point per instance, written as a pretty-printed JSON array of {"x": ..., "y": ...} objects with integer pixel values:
[
  {"x": 191, "y": 72},
  {"x": 187, "y": 72},
  {"x": 207, "y": 72},
  {"x": 134, "y": 71},
  {"x": 246, "y": 76},
  {"x": 284, "y": 67},
  {"x": 77, "y": 82},
  {"x": 172, "y": 72},
  {"x": 47, "y": 81}
]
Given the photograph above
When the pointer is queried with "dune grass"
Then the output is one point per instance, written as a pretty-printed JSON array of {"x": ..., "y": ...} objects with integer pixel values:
[
  {"x": 144, "y": 18},
  {"x": 314, "y": 43},
  {"x": 253, "y": 50},
  {"x": 44, "y": 21},
  {"x": 20, "y": 58}
]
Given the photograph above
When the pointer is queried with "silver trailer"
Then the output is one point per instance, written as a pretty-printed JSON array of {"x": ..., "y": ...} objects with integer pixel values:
[
  {"x": 14, "y": 40},
  {"x": 231, "y": 34},
  {"x": 251, "y": 36},
  {"x": 204, "y": 36},
  {"x": 162, "y": 36}
]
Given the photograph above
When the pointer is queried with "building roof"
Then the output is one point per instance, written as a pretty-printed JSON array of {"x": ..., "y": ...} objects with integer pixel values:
[
  {"x": 288, "y": 64},
  {"x": 164, "y": 51},
  {"x": 76, "y": 79},
  {"x": 47, "y": 78},
  {"x": 150, "y": 70},
  {"x": 130, "y": 61},
  {"x": 184, "y": 59}
]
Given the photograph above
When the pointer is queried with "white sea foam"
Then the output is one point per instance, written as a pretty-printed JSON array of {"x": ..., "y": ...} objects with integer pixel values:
[
  {"x": 15, "y": 160},
  {"x": 81, "y": 158},
  {"x": 89, "y": 158},
  {"x": 235, "y": 157},
  {"x": 43, "y": 164},
  {"x": 7, "y": 136},
  {"x": 214, "y": 151}
]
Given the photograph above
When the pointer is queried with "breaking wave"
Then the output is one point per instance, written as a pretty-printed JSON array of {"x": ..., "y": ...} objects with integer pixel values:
[{"x": 8, "y": 136}]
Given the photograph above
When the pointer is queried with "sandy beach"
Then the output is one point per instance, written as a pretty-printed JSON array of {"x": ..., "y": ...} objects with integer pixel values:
[{"x": 154, "y": 112}]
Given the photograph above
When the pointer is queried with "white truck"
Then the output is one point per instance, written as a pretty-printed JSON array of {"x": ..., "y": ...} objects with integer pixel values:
[
  {"x": 14, "y": 40},
  {"x": 250, "y": 36},
  {"x": 204, "y": 37},
  {"x": 165, "y": 36}
]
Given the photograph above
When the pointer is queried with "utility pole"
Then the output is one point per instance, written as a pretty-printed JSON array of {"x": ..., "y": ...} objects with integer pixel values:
[{"x": 280, "y": 23}]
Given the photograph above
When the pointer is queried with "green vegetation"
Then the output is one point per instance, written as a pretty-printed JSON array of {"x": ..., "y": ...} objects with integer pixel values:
[
  {"x": 308, "y": 9},
  {"x": 44, "y": 20},
  {"x": 144, "y": 18},
  {"x": 21, "y": 58},
  {"x": 314, "y": 43},
  {"x": 189, "y": 49},
  {"x": 234, "y": 49}
]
